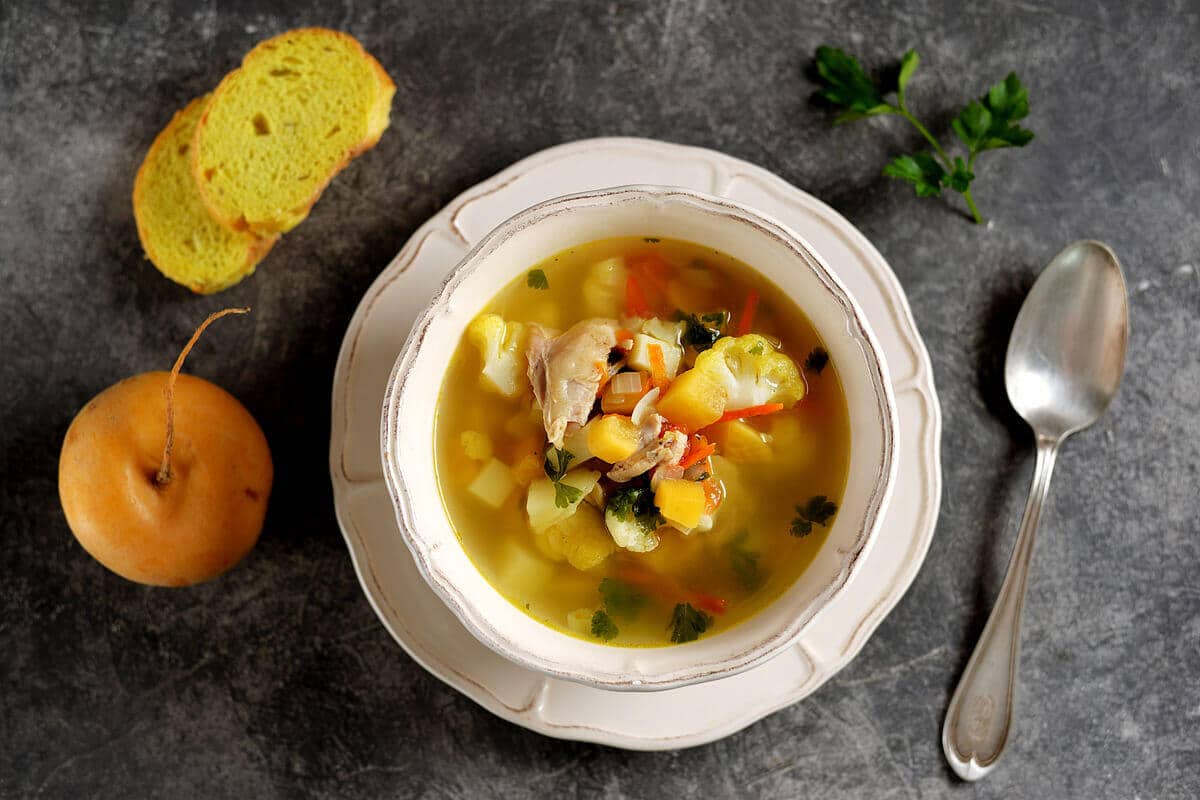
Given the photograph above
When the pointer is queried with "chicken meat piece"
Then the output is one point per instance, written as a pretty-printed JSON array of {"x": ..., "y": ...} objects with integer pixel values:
[
  {"x": 665, "y": 451},
  {"x": 566, "y": 372}
]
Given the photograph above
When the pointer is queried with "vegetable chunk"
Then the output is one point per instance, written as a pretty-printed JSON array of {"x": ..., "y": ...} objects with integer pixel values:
[
  {"x": 502, "y": 346},
  {"x": 681, "y": 502},
  {"x": 695, "y": 399},
  {"x": 493, "y": 484},
  {"x": 752, "y": 372},
  {"x": 613, "y": 438}
]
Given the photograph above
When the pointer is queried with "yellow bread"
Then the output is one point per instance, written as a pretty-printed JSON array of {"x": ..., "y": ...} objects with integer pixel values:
[
  {"x": 179, "y": 236},
  {"x": 279, "y": 128}
]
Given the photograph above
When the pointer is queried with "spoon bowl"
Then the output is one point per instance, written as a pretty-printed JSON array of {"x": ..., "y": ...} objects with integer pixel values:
[
  {"x": 1067, "y": 350},
  {"x": 1063, "y": 368}
]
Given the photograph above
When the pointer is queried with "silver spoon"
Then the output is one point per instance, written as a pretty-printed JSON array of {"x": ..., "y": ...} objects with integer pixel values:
[{"x": 1063, "y": 367}]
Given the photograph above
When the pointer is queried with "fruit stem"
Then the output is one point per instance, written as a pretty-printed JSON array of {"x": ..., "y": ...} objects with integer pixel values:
[{"x": 164, "y": 469}]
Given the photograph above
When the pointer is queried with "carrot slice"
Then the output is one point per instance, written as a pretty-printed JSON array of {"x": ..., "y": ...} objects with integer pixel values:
[
  {"x": 751, "y": 411},
  {"x": 635, "y": 300},
  {"x": 699, "y": 449},
  {"x": 658, "y": 367},
  {"x": 746, "y": 321}
]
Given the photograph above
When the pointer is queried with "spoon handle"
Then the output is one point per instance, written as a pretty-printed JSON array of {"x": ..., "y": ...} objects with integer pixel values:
[{"x": 980, "y": 714}]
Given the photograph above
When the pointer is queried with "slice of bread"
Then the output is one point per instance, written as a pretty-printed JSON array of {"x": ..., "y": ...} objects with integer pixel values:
[
  {"x": 177, "y": 232},
  {"x": 283, "y": 124}
]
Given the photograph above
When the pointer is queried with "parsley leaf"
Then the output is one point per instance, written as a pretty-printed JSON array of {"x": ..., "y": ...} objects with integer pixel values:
[
  {"x": 688, "y": 623},
  {"x": 960, "y": 179},
  {"x": 816, "y": 361},
  {"x": 536, "y": 279},
  {"x": 603, "y": 627},
  {"x": 635, "y": 505},
  {"x": 557, "y": 461},
  {"x": 702, "y": 331},
  {"x": 565, "y": 494},
  {"x": 989, "y": 123},
  {"x": 621, "y": 599},
  {"x": 847, "y": 84},
  {"x": 908, "y": 65},
  {"x": 819, "y": 510},
  {"x": 555, "y": 467},
  {"x": 921, "y": 170},
  {"x": 744, "y": 562}
]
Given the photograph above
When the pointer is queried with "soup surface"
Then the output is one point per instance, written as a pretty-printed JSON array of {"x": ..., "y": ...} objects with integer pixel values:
[{"x": 641, "y": 441}]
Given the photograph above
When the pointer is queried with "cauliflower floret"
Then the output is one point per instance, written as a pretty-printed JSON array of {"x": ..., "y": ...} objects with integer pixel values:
[
  {"x": 752, "y": 372},
  {"x": 633, "y": 519},
  {"x": 502, "y": 346}
]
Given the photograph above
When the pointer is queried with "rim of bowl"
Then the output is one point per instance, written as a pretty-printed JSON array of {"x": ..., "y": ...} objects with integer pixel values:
[{"x": 743, "y": 658}]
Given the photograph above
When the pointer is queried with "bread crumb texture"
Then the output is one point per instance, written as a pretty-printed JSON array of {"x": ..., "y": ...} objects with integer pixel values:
[
  {"x": 278, "y": 128},
  {"x": 178, "y": 234}
]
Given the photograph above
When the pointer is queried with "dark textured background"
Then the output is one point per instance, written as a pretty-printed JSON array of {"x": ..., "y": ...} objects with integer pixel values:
[{"x": 277, "y": 680}]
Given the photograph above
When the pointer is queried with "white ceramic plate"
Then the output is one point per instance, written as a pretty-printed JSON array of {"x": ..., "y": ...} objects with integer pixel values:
[{"x": 430, "y": 633}]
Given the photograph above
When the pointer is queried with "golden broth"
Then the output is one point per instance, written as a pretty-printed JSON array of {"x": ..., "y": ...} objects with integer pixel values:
[{"x": 750, "y": 556}]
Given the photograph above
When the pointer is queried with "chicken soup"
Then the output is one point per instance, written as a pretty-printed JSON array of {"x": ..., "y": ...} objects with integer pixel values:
[{"x": 641, "y": 441}]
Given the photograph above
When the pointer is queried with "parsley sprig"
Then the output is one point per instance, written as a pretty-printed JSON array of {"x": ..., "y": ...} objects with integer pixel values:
[
  {"x": 536, "y": 279},
  {"x": 989, "y": 123},
  {"x": 557, "y": 461},
  {"x": 817, "y": 511},
  {"x": 687, "y": 623}
]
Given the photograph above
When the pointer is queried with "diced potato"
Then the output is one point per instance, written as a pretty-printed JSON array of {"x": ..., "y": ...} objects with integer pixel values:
[
  {"x": 541, "y": 505},
  {"x": 639, "y": 356},
  {"x": 582, "y": 538},
  {"x": 493, "y": 484},
  {"x": 477, "y": 446},
  {"x": 604, "y": 288},
  {"x": 521, "y": 570},
  {"x": 580, "y": 621},
  {"x": 740, "y": 442},
  {"x": 671, "y": 332},
  {"x": 693, "y": 400},
  {"x": 613, "y": 403},
  {"x": 681, "y": 502},
  {"x": 613, "y": 438},
  {"x": 576, "y": 443}
]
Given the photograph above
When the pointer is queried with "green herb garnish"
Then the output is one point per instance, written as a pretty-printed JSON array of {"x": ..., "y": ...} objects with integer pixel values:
[
  {"x": 817, "y": 511},
  {"x": 557, "y": 461},
  {"x": 701, "y": 331},
  {"x": 989, "y": 123},
  {"x": 757, "y": 350},
  {"x": 816, "y": 360},
  {"x": 688, "y": 623},
  {"x": 536, "y": 279},
  {"x": 565, "y": 494},
  {"x": 620, "y": 599},
  {"x": 744, "y": 562},
  {"x": 555, "y": 466},
  {"x": 603, "y": 627},
  {"x": 635, "y": 505},
  {"x": 651, "y": 240}
]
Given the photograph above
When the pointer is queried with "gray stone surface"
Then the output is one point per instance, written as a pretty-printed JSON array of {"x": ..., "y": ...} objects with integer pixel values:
[{"x": 277, "y": 680}]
